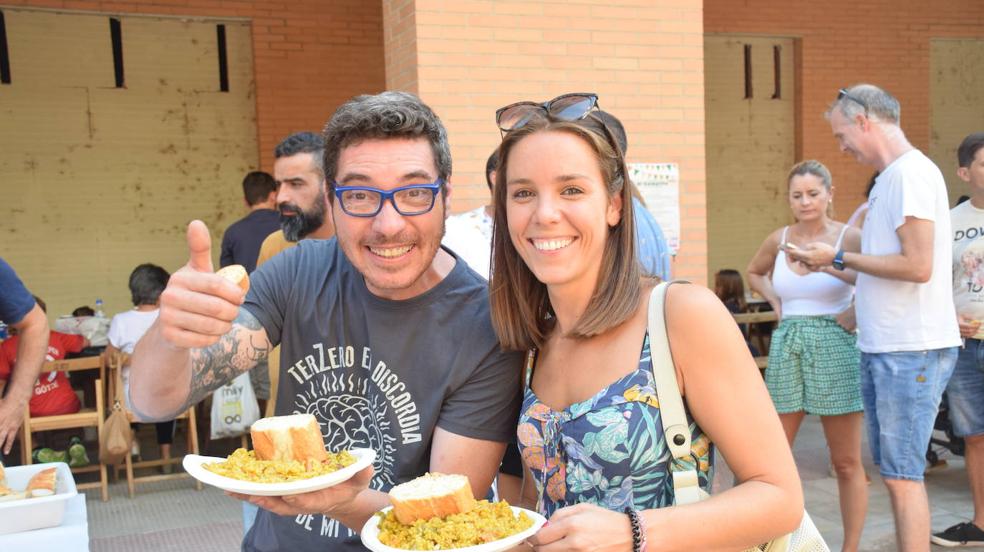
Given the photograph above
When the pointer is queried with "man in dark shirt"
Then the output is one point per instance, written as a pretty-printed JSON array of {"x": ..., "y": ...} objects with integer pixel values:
[
  {"x": 241, "y": 242},
  {"x": 387, "y": 337}
]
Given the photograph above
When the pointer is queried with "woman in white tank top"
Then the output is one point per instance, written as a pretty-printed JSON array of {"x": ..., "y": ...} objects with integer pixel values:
[{"x": 813, "y": 356}]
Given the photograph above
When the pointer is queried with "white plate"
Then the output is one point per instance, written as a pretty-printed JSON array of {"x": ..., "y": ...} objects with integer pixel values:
[
  {"x": 370, "y": 535},
  {"x": 193, "y": 465}
]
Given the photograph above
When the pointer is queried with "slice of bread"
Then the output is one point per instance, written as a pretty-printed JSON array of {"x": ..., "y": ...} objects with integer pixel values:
[
  {"x": 431, "y": 495},
  {"x": 7, "y": 495},
  {"x": 295, "y": 437},
  {"x": 43, "y": 483},
  {"x": 235, "y": 274}
]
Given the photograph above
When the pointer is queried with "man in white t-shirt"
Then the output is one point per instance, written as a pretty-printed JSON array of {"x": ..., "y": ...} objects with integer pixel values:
[
  {"x": 965, "y": 391},
  {"x": 907, "y": 324},
  {"x": 470, "y": 233}
]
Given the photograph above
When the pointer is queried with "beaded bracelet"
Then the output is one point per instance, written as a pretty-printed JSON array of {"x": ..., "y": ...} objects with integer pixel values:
[{"x": 638, "y": 530}]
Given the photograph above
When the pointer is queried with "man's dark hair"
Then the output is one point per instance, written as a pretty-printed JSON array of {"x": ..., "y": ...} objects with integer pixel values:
[
  {"x": 147, "y": 281},
  {"x": 302, "y": 142},
  {"x": 616, "y": 128},
  {"x": 379, "y": 117},
  {"x": 257, "y": 186},
  {"x": 969, "y": 148},
  {"x": 40, "y": 303},
  {"x": 490, "y": 166},
  {"x": 84, "y": 310}
]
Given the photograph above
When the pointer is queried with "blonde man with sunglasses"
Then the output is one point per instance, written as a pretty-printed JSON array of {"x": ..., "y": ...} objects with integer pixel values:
[{"x": 907, "y": 324}]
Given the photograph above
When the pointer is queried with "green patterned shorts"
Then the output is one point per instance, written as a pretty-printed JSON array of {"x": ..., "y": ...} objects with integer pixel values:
[{"x": 814, "y": 367}]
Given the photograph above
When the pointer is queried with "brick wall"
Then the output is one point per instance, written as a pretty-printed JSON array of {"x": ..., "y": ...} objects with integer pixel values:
[
  {"x": 885, "y": 42},
  {"x": 643, "y": 58},
  {"x": 309, "y": 55}
]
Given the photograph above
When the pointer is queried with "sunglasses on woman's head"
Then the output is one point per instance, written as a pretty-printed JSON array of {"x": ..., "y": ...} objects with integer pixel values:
[{"x": 568, "y": 107}]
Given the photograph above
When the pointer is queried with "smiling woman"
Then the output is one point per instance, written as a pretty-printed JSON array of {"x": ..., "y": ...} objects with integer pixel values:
[{"x": 567, "y": 287}]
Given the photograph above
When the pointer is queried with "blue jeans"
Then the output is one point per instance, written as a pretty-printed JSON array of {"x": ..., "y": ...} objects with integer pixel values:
[
  {"x": 966, "y": 390},
  {"x": 901, "y": 393}
]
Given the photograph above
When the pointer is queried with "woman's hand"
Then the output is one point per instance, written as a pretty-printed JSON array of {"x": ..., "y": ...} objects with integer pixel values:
[
  {"x": 776, "y": 305},
  {"x": 847, "y": 320},
  {"x": 584, "y": 527}
]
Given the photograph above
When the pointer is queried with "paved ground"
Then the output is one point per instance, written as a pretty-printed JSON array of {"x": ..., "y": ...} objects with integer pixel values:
[{"x": 173, "y": 516}]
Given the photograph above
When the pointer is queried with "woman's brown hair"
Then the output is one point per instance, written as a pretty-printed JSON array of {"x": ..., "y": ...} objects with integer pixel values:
[
  {"x": 728, "y": 285},
  {"x": 521, "y": 310}
]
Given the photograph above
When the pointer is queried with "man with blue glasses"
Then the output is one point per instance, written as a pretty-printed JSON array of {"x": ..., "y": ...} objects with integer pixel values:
[{"x": 386, "y": 336}]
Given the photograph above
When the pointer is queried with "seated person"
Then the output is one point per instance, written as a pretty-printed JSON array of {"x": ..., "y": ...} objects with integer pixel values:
[
  {"x": 53, "y": 393},
  {"x": 147, "y": 281}
]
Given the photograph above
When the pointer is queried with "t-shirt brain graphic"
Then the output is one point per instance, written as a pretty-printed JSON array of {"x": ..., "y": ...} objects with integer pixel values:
[{"x": 349, "y": 419}]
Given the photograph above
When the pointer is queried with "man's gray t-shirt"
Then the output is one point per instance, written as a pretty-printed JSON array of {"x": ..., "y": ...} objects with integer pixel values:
[{"x": 377, "y": 373}]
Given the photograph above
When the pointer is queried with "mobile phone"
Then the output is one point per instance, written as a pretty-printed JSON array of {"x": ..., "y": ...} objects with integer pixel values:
[{"x": 788, "y": 245}]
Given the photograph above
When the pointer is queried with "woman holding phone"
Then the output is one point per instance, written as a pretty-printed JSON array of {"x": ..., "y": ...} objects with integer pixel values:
[
  {"x": 568, "y": 288},
  {"x": 813, "y": 356}
]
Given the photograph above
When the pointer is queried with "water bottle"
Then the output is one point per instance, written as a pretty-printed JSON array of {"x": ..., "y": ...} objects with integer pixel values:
[
  {"x": 99, "y": 309},
  {"x": 3, "y": 330}
]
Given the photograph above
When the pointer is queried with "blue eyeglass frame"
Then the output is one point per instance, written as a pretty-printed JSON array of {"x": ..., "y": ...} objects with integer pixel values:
[{"x": 385, "y": 195}]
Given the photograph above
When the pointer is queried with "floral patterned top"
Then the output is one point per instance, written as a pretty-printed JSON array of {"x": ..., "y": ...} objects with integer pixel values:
[{"x": 608, "y": 450}]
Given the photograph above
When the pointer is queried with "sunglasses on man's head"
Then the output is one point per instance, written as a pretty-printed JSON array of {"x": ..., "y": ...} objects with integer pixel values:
[
  {"x": 568, "y": 107},
  {"x": 843, "y": 93}
]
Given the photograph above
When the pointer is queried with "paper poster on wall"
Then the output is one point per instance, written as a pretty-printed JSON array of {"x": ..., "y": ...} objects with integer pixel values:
[{"x": 659, "y": 184}]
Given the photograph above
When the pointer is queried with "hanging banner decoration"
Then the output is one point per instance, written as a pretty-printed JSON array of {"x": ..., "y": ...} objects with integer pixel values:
[{"x": 659, "y": 184}]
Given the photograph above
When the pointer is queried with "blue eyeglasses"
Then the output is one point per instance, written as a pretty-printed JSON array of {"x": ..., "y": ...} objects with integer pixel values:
[{"x": 412, "y": 200}]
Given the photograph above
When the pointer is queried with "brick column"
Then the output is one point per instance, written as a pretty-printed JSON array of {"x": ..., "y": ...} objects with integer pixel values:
[{"x": 643, "y": 58}]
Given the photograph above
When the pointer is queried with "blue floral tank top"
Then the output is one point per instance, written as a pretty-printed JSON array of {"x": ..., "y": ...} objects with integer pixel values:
[{"x": 608, "y": 450}]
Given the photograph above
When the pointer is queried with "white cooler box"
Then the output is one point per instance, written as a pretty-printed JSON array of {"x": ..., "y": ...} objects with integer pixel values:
[{"x": 36, "y": 513}]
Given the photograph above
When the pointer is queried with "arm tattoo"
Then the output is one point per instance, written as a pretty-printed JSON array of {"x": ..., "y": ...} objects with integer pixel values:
[{"x": 236, "y": 352}]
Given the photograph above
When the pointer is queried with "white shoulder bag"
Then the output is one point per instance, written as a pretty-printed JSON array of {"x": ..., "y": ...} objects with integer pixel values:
[{"x": 677, "y": 433}]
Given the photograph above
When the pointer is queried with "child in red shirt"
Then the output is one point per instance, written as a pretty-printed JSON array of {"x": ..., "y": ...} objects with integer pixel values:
[{"x": 53, "y": 394}]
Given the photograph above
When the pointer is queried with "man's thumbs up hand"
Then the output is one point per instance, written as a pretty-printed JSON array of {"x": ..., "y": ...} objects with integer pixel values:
[{"x": 198, "y": 306}]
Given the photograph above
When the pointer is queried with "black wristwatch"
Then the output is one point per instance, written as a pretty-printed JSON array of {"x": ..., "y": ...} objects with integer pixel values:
[{"x": 838, "y": 262}]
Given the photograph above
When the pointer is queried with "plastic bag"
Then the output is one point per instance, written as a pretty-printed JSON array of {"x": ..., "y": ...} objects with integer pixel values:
[
  {"x": 93, "y": 328},
  {"x": 234, "y": 408}
]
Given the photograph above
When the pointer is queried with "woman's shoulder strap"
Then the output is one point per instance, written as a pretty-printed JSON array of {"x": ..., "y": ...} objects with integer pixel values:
[{"x": 672, "y": 414}]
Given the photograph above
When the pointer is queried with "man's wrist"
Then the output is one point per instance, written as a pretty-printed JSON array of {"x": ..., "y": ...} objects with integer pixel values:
[{"x": 15, "y": 399}]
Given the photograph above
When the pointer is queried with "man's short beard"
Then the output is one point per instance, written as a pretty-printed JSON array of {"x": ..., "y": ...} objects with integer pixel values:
[{"x": 302, "y": 223}]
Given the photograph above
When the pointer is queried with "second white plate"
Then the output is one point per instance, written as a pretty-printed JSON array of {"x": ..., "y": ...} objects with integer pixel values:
[
  {"x": 370, "y": 535},
  {"x": 193, "y": 464}
]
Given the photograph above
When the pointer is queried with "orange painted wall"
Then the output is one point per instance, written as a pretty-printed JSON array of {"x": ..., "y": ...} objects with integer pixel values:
[
  {"x": 644, "y": 58},
  {"x": 309, "y": 55},
  {"x": 885, "y": 42}
]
